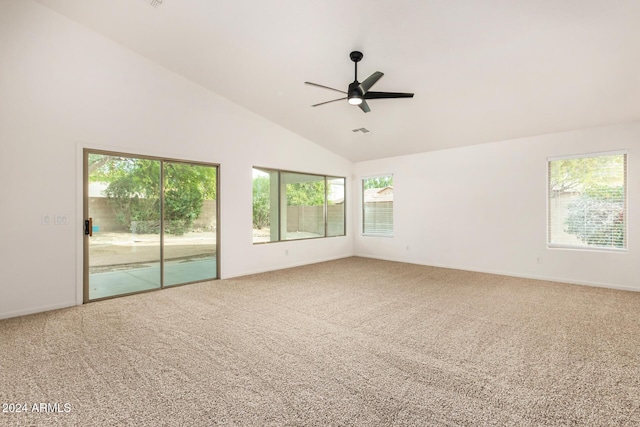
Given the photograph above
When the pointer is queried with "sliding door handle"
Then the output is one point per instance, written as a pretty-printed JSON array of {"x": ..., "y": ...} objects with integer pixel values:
[{"x": 88, "y": 227}]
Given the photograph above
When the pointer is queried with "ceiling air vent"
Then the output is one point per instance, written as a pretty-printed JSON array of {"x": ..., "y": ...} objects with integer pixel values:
[
  {"x": 363, "y": 130},
  {"x": 154, "y": 3}
]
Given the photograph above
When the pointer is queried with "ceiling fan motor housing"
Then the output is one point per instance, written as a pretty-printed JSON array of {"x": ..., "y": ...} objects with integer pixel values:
[{"x": 355, "y": 93}]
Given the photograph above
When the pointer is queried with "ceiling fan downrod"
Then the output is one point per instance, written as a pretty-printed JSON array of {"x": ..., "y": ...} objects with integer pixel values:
[{"x": 356, "y": 57}]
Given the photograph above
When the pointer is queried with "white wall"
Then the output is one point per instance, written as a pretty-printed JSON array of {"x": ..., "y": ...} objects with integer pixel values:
[
  {"x": 484, "y": 208},
  {"x": 62, "y": 88}
]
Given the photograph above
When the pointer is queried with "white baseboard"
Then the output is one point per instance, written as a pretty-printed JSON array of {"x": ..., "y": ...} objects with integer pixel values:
[
  {"x": 34, "y": 310},
  {"x": 513, "y": 274},
  {"x": 283, "y": 267}
]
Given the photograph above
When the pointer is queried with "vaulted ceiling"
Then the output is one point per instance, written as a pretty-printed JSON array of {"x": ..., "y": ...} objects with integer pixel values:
[{"x": 481, "y": 70}]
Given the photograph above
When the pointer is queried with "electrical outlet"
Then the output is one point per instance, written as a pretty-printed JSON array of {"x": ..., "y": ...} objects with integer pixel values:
[
  {"x": 60, "y": 219},
  {"x": 286, "y": 251},
  {"x": 539, "y": 260}
]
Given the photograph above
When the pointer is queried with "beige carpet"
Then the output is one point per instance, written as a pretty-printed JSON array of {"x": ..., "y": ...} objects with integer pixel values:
[{"x": 353, "y": 342}]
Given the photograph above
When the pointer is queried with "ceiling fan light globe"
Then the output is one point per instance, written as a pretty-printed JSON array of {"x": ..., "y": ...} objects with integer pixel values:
[{"x": 355, "y": 101}]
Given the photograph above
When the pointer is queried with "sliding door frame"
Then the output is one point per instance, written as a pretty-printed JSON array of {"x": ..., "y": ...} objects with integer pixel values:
[{"x": 85, "y": 215}]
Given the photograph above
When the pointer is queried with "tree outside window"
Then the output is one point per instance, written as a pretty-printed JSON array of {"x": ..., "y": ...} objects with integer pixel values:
[{"x": 587, "y": 201}]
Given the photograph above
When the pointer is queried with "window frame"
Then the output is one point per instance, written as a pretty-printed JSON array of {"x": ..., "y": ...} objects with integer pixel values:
[
  {"x": 363, "y": 231},
  {"x": 281, "y": 201},
  {"x": 586, "y": 246}
]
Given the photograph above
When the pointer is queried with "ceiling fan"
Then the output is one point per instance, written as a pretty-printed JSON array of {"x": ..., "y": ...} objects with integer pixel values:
[{"x": 358, "y": 93}]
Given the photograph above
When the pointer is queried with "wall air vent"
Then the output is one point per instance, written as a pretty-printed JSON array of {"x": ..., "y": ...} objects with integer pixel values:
[{"x": 363, "y": 130}]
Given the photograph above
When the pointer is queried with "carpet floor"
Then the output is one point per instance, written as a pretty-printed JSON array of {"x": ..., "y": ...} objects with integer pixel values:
[{"x": 351, "y": 342}]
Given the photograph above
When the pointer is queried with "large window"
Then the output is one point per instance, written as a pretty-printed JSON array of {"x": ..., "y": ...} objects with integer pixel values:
[
  {"x": 587, "y": 201},
  {"x": 377, "y": 206},
  {"x": 292, "y": 206}
]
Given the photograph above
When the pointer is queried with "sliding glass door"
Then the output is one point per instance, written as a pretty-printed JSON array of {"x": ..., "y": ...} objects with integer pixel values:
[
  {"x": 190, "y": 217},
  {"x": 149, "y": 223}
]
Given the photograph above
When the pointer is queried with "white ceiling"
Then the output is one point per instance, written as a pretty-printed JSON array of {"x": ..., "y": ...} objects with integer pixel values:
[{"x": 481, "y": 70}]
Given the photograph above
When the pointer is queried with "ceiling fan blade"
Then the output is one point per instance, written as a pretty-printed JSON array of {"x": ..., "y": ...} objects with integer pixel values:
[
  {"x": 370, "y": 81},
  {"x": 325, "y": 87},
  {"x": 364, "y": 106},
  {"x": 333, "y": 100},
  {"x": 379, "y": 95}
]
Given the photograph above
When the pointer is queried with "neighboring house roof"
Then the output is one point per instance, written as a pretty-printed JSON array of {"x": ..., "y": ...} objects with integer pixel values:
[{"x": 374, "y": 195}]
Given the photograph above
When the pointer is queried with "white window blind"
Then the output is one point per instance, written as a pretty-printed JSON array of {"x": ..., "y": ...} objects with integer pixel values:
[{"x": 587, "y": 201}]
